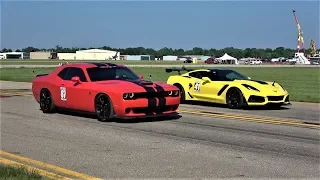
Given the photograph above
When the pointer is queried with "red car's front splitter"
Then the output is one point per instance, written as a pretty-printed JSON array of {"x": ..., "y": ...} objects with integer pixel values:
[{"x": 148, "y": 116}]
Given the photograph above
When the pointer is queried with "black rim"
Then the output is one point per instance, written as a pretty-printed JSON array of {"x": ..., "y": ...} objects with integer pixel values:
[
  {"x": 234, "y": 99},
  {"x": 102, "y": 107},
  {"x": 45, "y": 100}
]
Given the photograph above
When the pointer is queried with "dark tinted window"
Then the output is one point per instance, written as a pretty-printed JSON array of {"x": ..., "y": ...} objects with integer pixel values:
[
  {"x": 75, "y": 72},
  {"x": 102, "y": 74},
  {"x": 198, "y": 74},
  {"x": 213, "y": 76},
  {"x": 219, "y": 75},
  {"x": 230, "y": 75},
  {"x": 63, "y": 73}
]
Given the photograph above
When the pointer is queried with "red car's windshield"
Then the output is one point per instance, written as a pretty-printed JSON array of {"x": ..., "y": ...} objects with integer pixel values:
[{"x": 114, "y": 73}]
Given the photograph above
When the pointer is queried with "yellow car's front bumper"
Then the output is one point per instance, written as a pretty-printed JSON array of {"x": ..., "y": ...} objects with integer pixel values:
[{"x": 256, "y": 100}]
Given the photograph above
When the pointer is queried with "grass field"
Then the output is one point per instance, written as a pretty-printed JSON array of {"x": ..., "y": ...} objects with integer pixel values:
[
  {"x": 302, "y": 83},
  {"x": 54, "y": 62},
  {"x": 13, "y": 173}
]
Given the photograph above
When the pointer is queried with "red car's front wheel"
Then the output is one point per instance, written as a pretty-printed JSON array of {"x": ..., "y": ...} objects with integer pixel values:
[{"x": 104, "y": 108}]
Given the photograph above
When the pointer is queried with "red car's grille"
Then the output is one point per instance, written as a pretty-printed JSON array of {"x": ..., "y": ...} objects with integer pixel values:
[{"x": 151, "y": 94}]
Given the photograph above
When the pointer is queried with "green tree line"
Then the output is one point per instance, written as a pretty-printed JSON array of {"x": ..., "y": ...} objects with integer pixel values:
[{"x": 267, "y": 53}]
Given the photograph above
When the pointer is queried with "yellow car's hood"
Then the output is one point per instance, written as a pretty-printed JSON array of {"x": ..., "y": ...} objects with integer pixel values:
[{"x": 265, "y": 87}]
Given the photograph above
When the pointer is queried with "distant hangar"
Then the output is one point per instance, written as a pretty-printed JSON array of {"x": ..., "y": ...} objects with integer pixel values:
[{"x": 90, "y": 54}]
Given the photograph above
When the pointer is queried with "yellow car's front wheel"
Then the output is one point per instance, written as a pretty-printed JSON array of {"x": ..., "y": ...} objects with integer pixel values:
[
  {"x": 182, "y": 93},
  {"x": 235, "y": 98}
]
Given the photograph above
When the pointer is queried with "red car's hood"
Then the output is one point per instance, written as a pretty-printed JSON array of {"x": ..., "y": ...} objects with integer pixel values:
[{"x": 136, "y": 85}]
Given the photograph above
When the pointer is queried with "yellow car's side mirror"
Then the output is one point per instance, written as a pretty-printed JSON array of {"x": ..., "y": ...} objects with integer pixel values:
[{"x": 206, "y": 79}]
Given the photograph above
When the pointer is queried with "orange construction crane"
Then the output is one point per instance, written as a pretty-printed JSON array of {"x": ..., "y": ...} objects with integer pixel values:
[{"x": 300, "y": 37}]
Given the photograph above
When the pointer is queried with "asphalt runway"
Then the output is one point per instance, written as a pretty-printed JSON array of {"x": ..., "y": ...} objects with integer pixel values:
[{"x": 202, "y": 142}]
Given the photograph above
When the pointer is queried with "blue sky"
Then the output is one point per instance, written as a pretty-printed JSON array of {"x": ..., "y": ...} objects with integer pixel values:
[{"x": 175, "y": 24}]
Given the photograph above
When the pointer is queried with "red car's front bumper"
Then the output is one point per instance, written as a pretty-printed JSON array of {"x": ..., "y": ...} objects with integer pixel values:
[{"x": 140, "y": 108}]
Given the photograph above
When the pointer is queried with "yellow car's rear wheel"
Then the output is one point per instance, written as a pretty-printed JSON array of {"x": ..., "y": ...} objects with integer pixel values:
[{"x": 235, "y": 99}]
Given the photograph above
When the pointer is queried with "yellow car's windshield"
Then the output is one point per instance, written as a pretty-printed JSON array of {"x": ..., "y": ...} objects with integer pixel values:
[{"x": 226, "y": 75}]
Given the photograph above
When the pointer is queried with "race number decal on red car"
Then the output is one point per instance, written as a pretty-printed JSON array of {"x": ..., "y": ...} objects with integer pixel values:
[{"x": 63, "y": 93}]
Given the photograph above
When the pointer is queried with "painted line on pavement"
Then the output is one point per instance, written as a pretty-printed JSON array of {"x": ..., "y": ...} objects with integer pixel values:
[
  {"x": 252, "y": 119},
  {"x": 33, "y": 169},
  {"x": 15, "y": 94},
  {"x": 227, "y": 116},
  {"x": 29, "y": 90},
  {"x": 49, "y": 166}
]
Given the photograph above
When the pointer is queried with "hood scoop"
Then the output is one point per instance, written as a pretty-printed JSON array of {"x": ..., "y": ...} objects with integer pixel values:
[
  {"x": 146, "y": 82},
  {"x": 143, "y": 82}
]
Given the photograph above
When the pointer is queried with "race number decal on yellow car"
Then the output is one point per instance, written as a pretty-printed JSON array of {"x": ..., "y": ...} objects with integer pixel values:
[{"x": 197, "y": 86}]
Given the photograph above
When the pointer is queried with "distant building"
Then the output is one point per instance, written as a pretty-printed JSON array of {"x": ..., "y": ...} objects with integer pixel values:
[
  {"x": 67, "y": 56},
  {"x": 90, "y": 54},
  {"x": 43, "y": 55},
  {"x": 15, "y": 55},
  {"x": 139, "y": 57}
]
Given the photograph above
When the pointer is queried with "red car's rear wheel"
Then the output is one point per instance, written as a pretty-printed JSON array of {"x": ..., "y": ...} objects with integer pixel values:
[{"x": 46, "y": 101}]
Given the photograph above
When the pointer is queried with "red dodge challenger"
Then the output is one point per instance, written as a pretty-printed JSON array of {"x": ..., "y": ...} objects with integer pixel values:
[{"x": 106, "y": 89}]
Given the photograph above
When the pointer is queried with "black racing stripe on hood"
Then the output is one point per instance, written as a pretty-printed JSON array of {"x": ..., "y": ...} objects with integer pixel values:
[
  {"x": 162, "y": 100},
  {"x": 152, "y": 101}
]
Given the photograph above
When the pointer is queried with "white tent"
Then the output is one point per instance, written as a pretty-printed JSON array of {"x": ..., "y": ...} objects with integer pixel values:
[{"x": 227, "y": 58}]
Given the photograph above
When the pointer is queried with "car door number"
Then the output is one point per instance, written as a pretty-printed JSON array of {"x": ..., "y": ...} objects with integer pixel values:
[
  {"x": 63, "y": 93},
  {"x": 197, "y": 86}
]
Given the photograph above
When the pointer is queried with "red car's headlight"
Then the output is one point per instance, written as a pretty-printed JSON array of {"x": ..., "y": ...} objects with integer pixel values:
[
  {"x": 173, "y": 93},
  {"x": 128, "y": 95}
]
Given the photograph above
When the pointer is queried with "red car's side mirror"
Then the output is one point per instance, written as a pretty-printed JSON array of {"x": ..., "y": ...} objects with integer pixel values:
[
  {"x": 75, "y": 79},
  {"x": 140, "y": 76}
]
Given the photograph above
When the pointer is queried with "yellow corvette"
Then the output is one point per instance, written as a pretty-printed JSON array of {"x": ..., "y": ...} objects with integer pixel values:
[{"x": 224, "y": 86}]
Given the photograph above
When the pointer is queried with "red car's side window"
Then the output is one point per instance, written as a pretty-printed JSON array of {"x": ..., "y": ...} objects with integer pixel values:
[
  {"x": 63, "y": 73},
  {"x": 68, "y": 73}
]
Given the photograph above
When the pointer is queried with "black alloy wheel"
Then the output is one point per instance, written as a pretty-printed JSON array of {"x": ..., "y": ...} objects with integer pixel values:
[
  {"x": 46, "y": 101},
  {"x": 104, "y": 108},
  {"x": 235, "y": 99}
]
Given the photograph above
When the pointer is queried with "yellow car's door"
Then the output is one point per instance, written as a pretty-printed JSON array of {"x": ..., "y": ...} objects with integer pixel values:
[
  {"x": 213, "y": 90},
  {"x": 199, "y": 88},
  {"x": 206, "y": 86}
]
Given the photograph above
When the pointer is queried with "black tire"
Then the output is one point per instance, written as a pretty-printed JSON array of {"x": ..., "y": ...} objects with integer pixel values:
[
  {"x": 182, "y": 93},
  {"x": 104, "y": 108},
  {"x": 46, "y": 101},
  {"x": 235, "y": 99}
]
